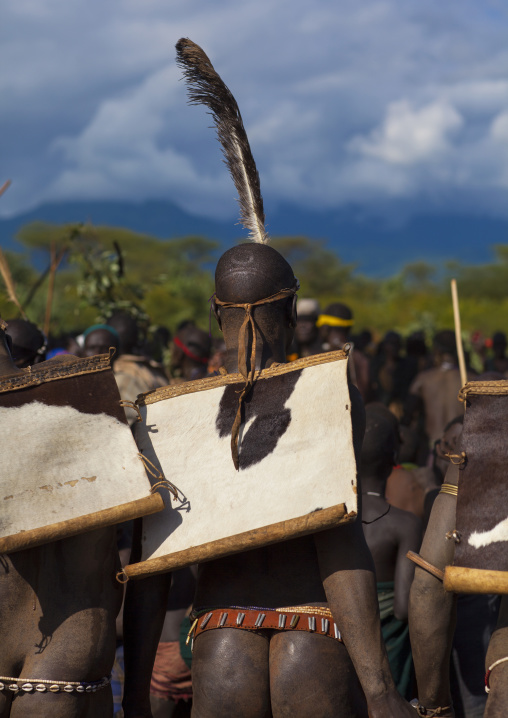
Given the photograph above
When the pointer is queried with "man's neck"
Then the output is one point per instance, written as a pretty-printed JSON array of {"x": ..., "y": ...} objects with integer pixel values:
[{"x": 373, "y": 485}]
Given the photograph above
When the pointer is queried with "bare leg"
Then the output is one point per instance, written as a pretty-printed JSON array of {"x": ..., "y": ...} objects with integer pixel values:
[
  {"x": 5, "y": 704},
  {"x": 432, "y": 610},
  {"x": 313, "y": 676},
  {"x": 230, "y": 675},
  {"x": 161, "y": 708},
  {"x": 63, "y": 705},
  {"x": 498, "y": 648}
]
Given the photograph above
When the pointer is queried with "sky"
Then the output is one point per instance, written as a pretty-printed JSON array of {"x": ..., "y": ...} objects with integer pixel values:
[{"x": 390, "y": 106}]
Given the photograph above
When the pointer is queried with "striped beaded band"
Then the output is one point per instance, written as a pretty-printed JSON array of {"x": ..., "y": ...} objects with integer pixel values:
[
  {"x": 489, "y": 671},
  {"x": 449, "y": 489},
  {"x": 316, "y": 610},
  {"x": 29, "y": 685}
]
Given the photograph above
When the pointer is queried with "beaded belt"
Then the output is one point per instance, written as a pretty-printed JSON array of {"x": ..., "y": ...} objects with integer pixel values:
[
  {"x": 29, "y": 685},
  {"x": 312, "y": 619}
]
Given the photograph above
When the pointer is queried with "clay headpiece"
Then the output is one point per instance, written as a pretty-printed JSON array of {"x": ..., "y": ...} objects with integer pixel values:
[{"x": 206, "y": 87}]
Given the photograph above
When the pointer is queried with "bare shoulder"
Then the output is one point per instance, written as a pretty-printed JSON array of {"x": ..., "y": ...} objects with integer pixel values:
[
  {"x": 405, "y": 521},
  {"x": 422, "y": 379}
]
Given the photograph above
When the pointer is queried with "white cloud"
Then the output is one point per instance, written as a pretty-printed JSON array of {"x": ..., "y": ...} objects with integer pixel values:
[
  {"x": 410, "y": 136},
  {"x": 343, "y": 101}
]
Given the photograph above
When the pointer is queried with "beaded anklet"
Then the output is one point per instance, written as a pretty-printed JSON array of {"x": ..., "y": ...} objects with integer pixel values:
[{"x": 429, "y": 712}]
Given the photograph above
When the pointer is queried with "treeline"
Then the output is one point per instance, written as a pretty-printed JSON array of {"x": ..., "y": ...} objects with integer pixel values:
[{"x": 94, "y": 269}]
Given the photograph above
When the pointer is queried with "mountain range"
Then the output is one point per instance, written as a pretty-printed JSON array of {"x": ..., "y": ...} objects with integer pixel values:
[{"x": 377, "y": 248}]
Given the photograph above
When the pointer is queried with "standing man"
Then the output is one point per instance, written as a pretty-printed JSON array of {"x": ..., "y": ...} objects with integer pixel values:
[
  {"x": 335, "y": 326},
  {"x": 245, "y": 670},
  {"x": 58, "y": 605},
  {"x": 307, "y": 338}
]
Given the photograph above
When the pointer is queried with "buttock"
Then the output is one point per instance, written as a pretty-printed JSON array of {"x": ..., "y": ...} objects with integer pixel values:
[{"x": 267, "y": 621}]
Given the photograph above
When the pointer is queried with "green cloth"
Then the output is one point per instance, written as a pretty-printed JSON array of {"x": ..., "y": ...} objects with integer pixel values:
[{"x": 396, "y": 638}]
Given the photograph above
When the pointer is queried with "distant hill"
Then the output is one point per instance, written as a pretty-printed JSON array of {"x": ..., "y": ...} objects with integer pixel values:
[{"x": 376, "y": 250}]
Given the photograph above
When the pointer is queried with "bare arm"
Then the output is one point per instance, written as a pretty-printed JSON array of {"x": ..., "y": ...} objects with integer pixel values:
[
  {"x": 432, "y": 610},
  {"x": 349, "y": 580},
  {"x": 144, "y": 613},
  {"x": 498, "y": 679},
  {"x": 350, "y": 585},
  {"x": 410, "y": 540}
]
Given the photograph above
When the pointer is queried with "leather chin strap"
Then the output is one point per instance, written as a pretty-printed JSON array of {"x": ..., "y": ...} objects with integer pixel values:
[{"x": 247, "y": 373}]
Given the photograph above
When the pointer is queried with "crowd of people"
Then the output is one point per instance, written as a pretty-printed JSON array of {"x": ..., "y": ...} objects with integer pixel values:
[{"x": 413, "y": 425}]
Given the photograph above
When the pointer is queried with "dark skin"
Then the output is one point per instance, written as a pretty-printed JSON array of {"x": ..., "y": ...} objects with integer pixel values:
[
  {"x": 182, "y": 594},
  {"x": 437, "y": 389},
  {"x": 498, "y": 681},
  {"x": 98, "y": 342},
  {"x": 432, "y": 611},
  {"x": 26, "y": 339},
  {"x": 390, "y": 537},
  {"x": 406, "y": 488},
  {"x": 307, "y": 336},
  {"x": 198, "y": 343},
  {"x": 336, "y": 338},
  {"x": 432, "y": 618},
  {"x": 240, "y": 673},
  {"x": 58, "y": 604}
]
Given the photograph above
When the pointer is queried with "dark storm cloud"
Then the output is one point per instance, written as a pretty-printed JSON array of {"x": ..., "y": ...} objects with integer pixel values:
[{"x": 344, "y": 102}]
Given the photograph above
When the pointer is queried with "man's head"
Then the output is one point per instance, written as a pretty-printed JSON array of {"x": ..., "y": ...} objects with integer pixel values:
[
  {"x": 381, "y": 441},
  {"x": 306, "y": 331},
  {"x": 7, "y": 365},
  {"x": 99, "y": 338},
  {"x": 246, "y": 274},
  {"x": 392, "y": 344},
  {"x": 336, "y": 323},
  {"x": 445, "y": 347},
  {"x": 127, "y": 330},
  {"x": 499, "y": 345},
  {"x": 28, "y": 343},
  {"x": 190, "y": 352}
]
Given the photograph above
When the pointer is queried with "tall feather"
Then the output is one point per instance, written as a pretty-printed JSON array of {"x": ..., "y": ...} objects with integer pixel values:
[
  {"x": 9, "y": 284},
  {"x": 206, "y": 87}
]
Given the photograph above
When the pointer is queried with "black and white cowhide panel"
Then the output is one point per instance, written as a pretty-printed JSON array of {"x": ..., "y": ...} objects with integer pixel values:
[
  {"x": 295, "y": 448},
  {"x": 67, "y": 447},
  {"x": 265, "y": 416},
  {"x": 482, "y": 503}
]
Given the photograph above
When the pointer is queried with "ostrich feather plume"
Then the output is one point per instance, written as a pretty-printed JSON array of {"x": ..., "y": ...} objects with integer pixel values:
[{"x": 206, "y": 87}]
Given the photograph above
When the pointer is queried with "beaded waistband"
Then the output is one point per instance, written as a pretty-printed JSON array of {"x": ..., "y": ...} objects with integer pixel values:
[
  {"x": 32, "y": 685},
  {"x": 319, "y": 620}
]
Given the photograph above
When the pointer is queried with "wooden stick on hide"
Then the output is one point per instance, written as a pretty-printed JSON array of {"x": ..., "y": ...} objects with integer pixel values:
[
  {"x": 461, "y": 579},
  {"x": 458, "y": 333}
]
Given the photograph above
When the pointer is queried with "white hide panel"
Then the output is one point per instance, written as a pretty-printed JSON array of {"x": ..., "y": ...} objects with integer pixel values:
[
  {"x": 312, "y": 466},
  {"x": 62, "y": 464}
]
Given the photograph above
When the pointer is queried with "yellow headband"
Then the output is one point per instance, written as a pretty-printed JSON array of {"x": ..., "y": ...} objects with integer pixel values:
[{"x": 328, "y": 320}]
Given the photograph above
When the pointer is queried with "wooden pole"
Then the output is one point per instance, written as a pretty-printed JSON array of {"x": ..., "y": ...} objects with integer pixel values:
[
  {"x": 54, "y": 264},
  {"x": 5, "y": 187},
  {"x": 89, "y": 522},
  {"x": 458, "y": 333},
  {"x": 460, "y": 579},
  {"x": 264, "y": 536}
]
